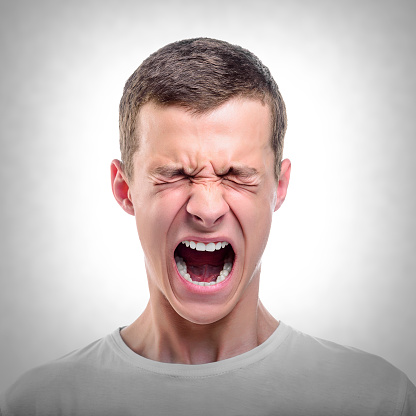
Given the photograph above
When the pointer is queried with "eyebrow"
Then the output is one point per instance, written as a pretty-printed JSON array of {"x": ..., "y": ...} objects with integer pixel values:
[
  {"x": 168, "y": 171},
  {"x": 243, "y": 171}
]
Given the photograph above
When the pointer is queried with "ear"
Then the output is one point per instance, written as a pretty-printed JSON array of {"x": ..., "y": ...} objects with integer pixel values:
[
  {"x": 120, "y": 187},
  {"x": 283, "y": 183}
]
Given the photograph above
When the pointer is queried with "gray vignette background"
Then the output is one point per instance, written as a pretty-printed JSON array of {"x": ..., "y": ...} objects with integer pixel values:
[{"x": 341, "y": 260}]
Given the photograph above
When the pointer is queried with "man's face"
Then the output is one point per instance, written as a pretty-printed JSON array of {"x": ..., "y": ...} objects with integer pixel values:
[{"x": 203, "y": 193}]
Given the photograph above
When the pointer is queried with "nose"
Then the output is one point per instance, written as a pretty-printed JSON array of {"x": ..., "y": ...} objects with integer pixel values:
[{"x": 206, "y": 204}]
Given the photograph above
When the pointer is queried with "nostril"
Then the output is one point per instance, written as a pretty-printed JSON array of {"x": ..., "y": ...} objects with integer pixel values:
[
  {"x": 206, "y": 220},
  {"x": 206, "y": 208}
]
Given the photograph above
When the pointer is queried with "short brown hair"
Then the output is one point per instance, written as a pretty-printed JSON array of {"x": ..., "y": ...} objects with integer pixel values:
[{"x": 198, "y": 74}]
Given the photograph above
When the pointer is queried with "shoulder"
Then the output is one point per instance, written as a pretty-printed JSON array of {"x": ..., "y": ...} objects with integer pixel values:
[
  {"x": 336, "y": 358},
  {"x": 344, "y": 374},
  {"x": 43, "y": 389}
]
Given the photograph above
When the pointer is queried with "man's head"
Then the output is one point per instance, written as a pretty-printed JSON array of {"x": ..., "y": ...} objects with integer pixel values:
[
  {"x": 199, "y": 75},
  {"x": 203, "y": 175}
]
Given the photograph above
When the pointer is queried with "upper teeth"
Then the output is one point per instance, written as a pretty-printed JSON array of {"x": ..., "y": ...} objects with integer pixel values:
[{"x": 198, "y": 246}]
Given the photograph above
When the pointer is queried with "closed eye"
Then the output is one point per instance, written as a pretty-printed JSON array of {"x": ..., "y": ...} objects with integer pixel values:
[
  {"x": 245, "y": 176},
  {"x": 241, "y": 184},
  {"x": 239, "y": 181},
  {"x": 172, "y": 180}
]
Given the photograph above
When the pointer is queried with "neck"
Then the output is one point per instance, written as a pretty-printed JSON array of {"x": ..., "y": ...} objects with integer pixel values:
[{"x": 160, "y": 334}]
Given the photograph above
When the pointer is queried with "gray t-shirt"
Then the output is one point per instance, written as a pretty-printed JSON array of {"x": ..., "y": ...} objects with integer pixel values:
[{"x": 290, "y": 374}]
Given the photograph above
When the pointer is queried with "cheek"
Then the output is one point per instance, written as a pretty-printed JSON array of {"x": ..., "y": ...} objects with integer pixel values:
[
  {"x": 154, "y": 216},
  {"x": 254, "y": 215},
  {"x": 259, "y": 229},
  {"x": 252, "y": 210}
]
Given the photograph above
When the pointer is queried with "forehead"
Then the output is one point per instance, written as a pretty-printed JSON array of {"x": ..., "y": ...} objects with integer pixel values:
[{"x": 239, "y": 130}]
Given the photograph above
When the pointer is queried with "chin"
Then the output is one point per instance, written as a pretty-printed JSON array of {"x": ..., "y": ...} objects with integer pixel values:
[{"x": 203, "y": 314}]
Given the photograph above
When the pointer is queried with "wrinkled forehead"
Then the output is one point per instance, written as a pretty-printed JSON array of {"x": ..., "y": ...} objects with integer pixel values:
[{"x": 235, "y": 134}]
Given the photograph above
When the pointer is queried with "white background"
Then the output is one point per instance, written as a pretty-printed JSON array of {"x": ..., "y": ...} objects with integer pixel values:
[{"x": 341, "y": 260}]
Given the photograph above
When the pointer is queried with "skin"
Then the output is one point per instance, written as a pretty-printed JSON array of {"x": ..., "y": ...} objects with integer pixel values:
[{"x": 206, "y": 177}]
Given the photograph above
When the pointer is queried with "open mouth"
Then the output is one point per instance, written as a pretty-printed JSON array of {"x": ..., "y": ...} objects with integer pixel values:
[{"x": 204, "y": 264}]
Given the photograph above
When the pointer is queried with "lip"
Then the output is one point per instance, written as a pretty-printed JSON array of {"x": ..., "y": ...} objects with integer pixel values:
[{"x": 206, "y": 289}]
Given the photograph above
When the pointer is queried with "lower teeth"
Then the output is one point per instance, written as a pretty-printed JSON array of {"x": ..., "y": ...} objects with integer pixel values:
[{"x": 181, "y": 265}]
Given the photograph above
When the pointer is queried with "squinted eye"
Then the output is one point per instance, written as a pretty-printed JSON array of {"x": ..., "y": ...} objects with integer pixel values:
[
  {"x": 238, "y": 182},
  {"x": 171, "y": 181}
]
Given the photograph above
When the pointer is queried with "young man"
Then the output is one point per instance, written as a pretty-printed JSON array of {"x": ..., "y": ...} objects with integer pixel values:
[{"x": 202, "y": 124}]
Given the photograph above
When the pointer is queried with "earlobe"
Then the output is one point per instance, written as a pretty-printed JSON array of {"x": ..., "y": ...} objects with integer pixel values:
[
  {"x": 120, "y": 187},
  {"x": 283, "y": 184}
]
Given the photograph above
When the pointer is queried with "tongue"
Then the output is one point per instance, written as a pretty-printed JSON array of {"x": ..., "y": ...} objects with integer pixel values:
[{"x": 205, "y": 273}]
